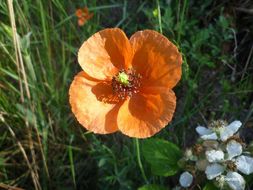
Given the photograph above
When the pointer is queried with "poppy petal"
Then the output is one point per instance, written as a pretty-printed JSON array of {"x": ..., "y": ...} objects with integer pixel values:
[
  {"x": 85, "y": 11},
  {"x": 89, "y": 103},
  {"x": 104, "y": 53},
  {"x": 81, "y": 21},
  {"x": 156, "y": 59},
  {"x": 79, "y": 13},
  {"x": 89, "y": 16},
  {"x": 145, "y": 114}
]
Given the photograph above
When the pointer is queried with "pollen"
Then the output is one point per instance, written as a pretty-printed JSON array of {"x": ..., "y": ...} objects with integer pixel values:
[{"x": 126, "y": 83}]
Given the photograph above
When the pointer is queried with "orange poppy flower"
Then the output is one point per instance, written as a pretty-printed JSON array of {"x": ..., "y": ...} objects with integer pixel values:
[
  {"x": 126, "y": 85},
  {"x": 83, "y": 15}
]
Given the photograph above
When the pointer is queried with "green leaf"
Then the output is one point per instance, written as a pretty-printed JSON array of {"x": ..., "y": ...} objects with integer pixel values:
[
  {"x": 162, "y": 155},
  {"x": 27, "y": 113},
  {"x": 210, "y": 186},
  {"x": 152, "y": 187},
  {"x": 1, "y": 161},
  {"x": 25, "y": 41}
]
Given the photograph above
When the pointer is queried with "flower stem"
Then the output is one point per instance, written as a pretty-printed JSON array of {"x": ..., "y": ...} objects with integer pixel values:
[{"x": 139, "y": 159}]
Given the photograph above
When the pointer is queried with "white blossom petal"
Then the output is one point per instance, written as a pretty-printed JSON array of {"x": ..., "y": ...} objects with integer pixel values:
[
  {"x": 214, "y": 155},
  {"x": 245, "y": 164},
  {"x": 235, "y": 181},
  {"x": 203, "y": 131},
  {"x": 186, "y": 179},
  {"x": 214, "y": 170},
  {"x": 206, "y": 134},
  {"x": 234, "y": 126},
  {"x": 230, "y": 130},
  {"x": 234, "y": 149},
  {"x": 225, "y": 134},
  {"x": 211, "y": 136}
]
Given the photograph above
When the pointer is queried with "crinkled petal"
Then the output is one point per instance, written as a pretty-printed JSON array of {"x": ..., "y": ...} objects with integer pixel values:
[
  {"x": 214, "y": 170},
  {"x": 214, "y": 155},
  {"x": 104, "y": 53},
  {"x": 145, "y": 114},
  {"x": 186, "y": 179},
  {"x": 235, "y": 181},
  {"x": 245, "y": 164},
  {"x": 93, "y": 105},
  {"x": 156, "y": 59},
  {"x": 233, "y": 149}
]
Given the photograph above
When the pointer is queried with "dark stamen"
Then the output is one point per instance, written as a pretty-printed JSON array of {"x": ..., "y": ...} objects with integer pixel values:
[
  {"x": 231, "y": 165},
  {"x": 124, "y": 90}
]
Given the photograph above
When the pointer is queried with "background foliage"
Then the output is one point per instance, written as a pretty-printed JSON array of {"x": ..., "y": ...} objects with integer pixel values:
[{"x": 41, "y": 144}]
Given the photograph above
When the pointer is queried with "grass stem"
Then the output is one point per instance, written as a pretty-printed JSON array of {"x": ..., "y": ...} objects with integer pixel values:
[{"x": 159, "y": 17}]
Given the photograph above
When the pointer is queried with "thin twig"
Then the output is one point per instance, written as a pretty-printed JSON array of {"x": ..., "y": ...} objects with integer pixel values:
[
  {"x": 8, "y": 187},
  {"x": 235, "y": 56},
  {"x": 249, "y": 11},
  {"x": 247, "y": 62}
]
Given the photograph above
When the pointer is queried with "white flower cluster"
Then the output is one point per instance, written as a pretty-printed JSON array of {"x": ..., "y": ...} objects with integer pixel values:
[{"x": 220, "y": 155}]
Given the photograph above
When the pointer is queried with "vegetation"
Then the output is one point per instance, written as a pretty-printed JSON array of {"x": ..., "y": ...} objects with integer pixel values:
[{"x": 42, "y": 146}]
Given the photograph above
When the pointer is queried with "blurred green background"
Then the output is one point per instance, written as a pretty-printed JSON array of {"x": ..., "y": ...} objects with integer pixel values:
[{"x": 42, "y": 146}]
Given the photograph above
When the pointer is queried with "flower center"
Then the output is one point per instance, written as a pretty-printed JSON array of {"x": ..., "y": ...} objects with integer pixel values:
[
  {"x": 197, "y": 149},
  {"x": 126, "y": 83},
  {"x": 123, "y": 78},
  {"x": 218, "y": 124},
  {"x": 231, "y": 165}
]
